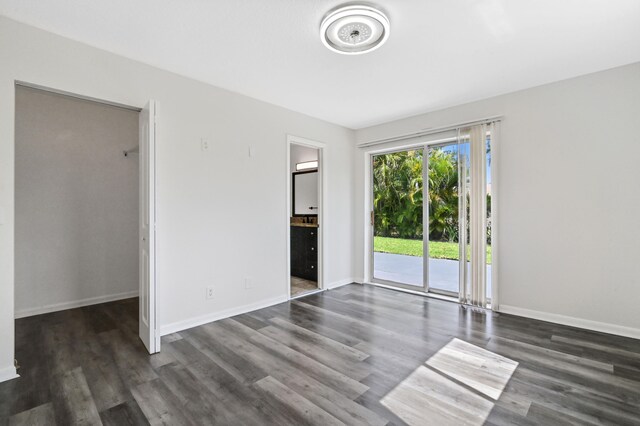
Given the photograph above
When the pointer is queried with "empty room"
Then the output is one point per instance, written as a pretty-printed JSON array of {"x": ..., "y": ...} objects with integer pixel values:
[{"x": 297, "y": 212}]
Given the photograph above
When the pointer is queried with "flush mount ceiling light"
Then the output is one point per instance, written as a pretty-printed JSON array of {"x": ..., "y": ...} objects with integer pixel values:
[{"x": 355, "y": 29}]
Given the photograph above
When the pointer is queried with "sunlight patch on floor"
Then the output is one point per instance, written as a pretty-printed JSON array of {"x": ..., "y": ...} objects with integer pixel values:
[
  {"x": 457, "y": 385},
  {"x": 475, "y": 367}
]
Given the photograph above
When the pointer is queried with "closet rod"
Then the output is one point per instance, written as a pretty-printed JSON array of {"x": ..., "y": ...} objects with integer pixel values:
[{"x": 131, "y": 151}]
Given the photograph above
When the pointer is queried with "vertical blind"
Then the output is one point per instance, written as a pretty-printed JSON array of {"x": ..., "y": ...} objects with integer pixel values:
[{"x": 473, "y": 266}]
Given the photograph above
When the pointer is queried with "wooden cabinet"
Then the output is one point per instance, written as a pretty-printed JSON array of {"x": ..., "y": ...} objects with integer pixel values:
[{"x": 304, "y": 252}]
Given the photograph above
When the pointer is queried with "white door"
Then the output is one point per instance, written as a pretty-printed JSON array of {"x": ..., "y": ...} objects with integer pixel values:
[{"x": 147, "y": 314}]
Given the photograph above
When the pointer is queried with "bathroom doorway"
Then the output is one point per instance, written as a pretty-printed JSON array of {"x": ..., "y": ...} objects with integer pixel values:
[{"x": 304, "y": 213}]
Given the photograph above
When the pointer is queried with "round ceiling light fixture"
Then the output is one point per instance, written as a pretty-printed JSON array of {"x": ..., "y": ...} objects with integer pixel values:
[{"x": 355, "y": 29}]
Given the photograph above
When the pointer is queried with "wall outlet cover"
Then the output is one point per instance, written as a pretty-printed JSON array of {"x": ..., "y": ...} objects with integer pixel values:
[{"x": 209, "y": 293}]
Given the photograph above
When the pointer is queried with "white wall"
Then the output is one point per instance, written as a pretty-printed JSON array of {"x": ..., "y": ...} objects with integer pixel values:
[
  {"x": 76, "y": 194},
  {"x": 569, "y": 201},
  {"x": 207, "y": 232}
]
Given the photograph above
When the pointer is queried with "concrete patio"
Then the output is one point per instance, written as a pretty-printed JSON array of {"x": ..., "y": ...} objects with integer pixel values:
[{"x": 443, "y": 273}]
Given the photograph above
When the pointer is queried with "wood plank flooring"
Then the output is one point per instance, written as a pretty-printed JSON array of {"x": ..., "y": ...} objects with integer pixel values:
[{"x": 355, "y": 355}]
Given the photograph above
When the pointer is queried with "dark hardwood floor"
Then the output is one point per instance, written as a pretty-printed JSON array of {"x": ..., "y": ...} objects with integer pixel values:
[{"x": 354, "y": 355}]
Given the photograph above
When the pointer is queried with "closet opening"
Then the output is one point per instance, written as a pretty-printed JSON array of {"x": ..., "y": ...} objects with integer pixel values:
[{"x": 84, "y": 224}]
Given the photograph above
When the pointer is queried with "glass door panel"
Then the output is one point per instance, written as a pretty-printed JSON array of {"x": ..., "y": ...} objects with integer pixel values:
[
  {"x": 398, "y": 247},
  {"x": 448, "y": 171}
]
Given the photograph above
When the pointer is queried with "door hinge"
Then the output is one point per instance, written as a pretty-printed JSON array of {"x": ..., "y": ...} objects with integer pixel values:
[{"x": 371, "y": 217}]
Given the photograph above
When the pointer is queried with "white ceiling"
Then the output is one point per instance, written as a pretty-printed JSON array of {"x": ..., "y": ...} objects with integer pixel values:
[{"x": 440, "y": 52}]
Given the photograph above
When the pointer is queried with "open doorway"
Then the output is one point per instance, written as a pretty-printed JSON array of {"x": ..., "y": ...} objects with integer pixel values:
[
  {"x": 305, "y": 217},
  {"x": 84, "y": 201}
]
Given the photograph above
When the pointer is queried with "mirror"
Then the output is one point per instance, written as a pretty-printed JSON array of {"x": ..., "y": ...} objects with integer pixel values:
[{"x": 305, "y": 193}]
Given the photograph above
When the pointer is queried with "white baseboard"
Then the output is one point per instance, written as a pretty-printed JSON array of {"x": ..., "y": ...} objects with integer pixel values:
[
  {"x": 75, "y": 304},
  {"x": 8, "y": 373},
  {"x": 602, "y": 327},
  {"x": 215, "y": 316},
  {"x": 340, "y": 283}
]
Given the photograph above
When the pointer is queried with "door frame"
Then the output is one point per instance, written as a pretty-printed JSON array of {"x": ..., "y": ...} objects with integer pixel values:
[
  {"x": 322, "y": 202},
  {"x": 153, "y": 315}
]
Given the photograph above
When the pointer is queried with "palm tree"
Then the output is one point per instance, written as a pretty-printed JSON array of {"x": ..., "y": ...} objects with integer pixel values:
[
  {"x": 398, "y": 194},
  {"x": 443, "y": 195},
  {"x": 397, "y": 182}
]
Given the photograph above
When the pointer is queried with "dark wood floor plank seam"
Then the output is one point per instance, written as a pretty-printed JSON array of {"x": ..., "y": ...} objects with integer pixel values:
[
  {"x": 311, "y": 413},
  {"x": 273, "y": 350},
  {"x": 352, "y": 369},
  {"x": 318, "y": 339}
]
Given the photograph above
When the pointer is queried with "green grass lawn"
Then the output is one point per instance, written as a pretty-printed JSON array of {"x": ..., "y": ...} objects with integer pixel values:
[{"x": 437, "y": 249}]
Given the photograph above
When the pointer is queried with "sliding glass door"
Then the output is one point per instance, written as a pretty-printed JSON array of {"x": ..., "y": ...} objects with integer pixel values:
[{"x": 426, "y": 206}]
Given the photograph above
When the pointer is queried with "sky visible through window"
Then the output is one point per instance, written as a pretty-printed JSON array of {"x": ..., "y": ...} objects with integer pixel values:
[{"x": 454, "y": 149}]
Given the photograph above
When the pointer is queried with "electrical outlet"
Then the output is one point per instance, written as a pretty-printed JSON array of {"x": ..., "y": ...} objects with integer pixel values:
[
  {"x": 248, "y": 283},
  {"x": 210, "y": 292},
  {"x": 204, "y": 144}
]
